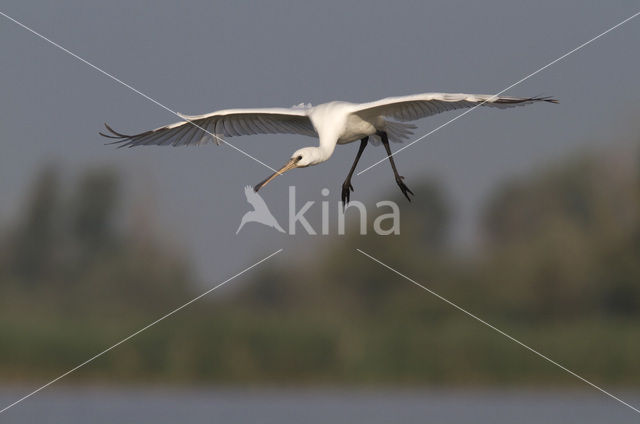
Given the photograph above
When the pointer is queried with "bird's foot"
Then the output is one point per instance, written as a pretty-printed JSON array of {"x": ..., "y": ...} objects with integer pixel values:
[
  {"x": 347, "y": 188},
  {"x": 403, "y": 187}
]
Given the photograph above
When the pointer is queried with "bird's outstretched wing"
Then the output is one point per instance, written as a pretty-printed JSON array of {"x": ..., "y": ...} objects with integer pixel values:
[
  {"x": 417, "y": 106},
  {"x": 198, "y": 129}
]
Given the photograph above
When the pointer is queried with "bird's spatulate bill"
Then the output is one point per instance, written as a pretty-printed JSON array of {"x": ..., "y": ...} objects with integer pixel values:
[{"x": 290, "y": 165}]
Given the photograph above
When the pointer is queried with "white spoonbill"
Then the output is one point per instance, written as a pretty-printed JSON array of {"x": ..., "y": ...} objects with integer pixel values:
[{"x": 332, "y": 123}]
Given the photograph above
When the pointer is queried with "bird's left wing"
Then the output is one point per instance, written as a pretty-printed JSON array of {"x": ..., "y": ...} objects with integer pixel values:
[
  {"x": 198, "y": 129},
  {"x": 417, "y": 106}
]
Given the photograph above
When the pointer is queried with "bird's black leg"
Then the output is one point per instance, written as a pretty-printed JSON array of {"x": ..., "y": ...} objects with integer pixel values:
[
  {"x": 346, "y": 186},
  {"x": 401, "y": 184}
]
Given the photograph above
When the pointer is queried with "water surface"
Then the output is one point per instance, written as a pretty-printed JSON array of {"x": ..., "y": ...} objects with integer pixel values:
[{"x": 73, "y": 405}]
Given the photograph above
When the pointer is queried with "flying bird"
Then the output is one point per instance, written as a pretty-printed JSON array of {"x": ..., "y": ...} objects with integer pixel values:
[
  {"x": 332, "y": 123},
  {"x": 260, "y": 212}
]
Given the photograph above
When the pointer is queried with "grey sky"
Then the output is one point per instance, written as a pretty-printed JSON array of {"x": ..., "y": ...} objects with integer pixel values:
[{"x": 200, "y": 56}]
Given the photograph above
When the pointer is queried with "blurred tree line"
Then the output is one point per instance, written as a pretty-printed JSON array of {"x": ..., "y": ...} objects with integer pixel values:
[
  {"x": 68, "y": 251},
  {"x": 558, "y": 268}
]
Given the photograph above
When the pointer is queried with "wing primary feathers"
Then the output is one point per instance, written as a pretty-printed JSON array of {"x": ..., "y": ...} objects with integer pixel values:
[
  {"x": 418, "y": 106},
  {"x": 224, "y": 123},
  {"x": 112, "y": 131},
  {"x": 177, "y": 137},
  {"x": 191, "y": 133},
  {"x": 119, "y": 137},
  {"x": 507, "y": 100}
]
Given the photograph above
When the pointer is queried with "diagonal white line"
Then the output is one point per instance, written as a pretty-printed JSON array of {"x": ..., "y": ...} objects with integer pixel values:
[
  {"x": 499, "y": 331},
  {"x": 586, "y": 43},
  {"x": 182, "y": 118},
  {"x": 138, "y": 332}
]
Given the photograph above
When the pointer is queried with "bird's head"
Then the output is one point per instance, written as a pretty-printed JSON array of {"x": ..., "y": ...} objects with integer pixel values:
[
  {"x": 301, "y": 158},
  {"x": 306, "y": 156}
]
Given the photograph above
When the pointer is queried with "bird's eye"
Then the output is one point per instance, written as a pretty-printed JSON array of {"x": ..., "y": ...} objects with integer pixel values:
[{"x": 299, "y": 157}]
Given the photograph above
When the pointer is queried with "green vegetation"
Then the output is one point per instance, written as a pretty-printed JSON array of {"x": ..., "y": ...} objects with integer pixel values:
[{"x": 558, "y": 268}]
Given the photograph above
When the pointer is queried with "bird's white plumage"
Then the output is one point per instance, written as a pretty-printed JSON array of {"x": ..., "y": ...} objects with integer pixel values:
[
  {"x": 418, "y": 106},
  {"x": 333, "y": 123},
  {"x": 343, "y": 122},
  {"x": 198, "y": 129}
]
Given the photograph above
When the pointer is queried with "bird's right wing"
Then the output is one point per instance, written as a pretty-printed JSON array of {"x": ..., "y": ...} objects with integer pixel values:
[
  {"x": 200, "y": 129},
  {"x": 417, "y": 106}
]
